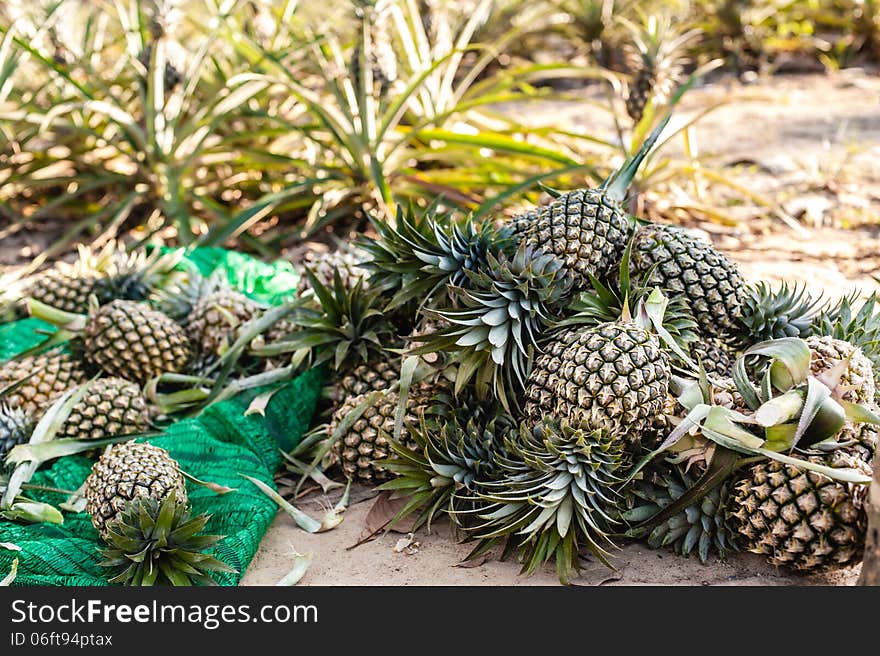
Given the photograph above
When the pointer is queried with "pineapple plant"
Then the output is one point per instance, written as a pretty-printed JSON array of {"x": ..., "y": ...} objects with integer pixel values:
[
  {"x": 682, "y": 265},
  {"x": 43, "y": 379},
  {"x": 136, "y": 497},
  {"x": 656, "y": 58},
  {"x": 374, "y": 62},
  {"x": 125, "y": 338}
]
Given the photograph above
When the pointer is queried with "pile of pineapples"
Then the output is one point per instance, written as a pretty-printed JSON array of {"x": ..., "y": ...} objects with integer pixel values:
[
  {"x": 141, "y": 339},
  {"x": 576, "y": 377}
]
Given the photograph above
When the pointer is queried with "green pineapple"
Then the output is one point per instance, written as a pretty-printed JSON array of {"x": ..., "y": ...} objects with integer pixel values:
[
  {"x": 111, "y": 407},
  {"x": 125, "y": 338},
  {"x": 107, "y": 275},
  {"x": 585, "y": 230},
  {"x": 136, "y": 496},
  {"x": 801, "y": 519},
  {"x": 682, "y": 265}
]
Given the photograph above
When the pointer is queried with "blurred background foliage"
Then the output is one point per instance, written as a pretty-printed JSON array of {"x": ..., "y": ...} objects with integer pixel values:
[{"x": 265, "y": 124}]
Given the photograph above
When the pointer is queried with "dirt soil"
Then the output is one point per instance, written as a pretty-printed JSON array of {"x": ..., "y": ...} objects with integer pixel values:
[{"x": 813, "y": 143}]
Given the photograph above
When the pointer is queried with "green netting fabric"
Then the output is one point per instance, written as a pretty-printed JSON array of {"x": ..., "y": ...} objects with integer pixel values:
[{"x": 218, "y": 446}]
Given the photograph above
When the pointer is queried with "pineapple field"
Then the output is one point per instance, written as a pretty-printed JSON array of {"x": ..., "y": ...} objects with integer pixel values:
[{"x": 457, "y": 292}]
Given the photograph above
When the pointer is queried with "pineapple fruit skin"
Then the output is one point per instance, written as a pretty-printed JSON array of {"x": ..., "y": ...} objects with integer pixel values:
[
  {"x": 126, "y": 472},
  {"x": 110, "y": 407},
  {"x": 801, "y": 519},
  {"x": 53, "y": 375},
  {"x": 368, "y": 439},
  {"x": 684, "y": 265},
  {"x": 127, "y": 339},
  {"x": 584, "y": 229},
  {"x": 65, "y": 291},
  {"x": 614, "y": 377},
  {"x": 857, "y": 379},
  {"x": 214, "y": 322}
]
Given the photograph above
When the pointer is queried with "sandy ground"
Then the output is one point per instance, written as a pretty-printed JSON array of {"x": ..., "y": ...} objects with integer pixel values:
[
  {"x": 813, "y": 137},
  {"x": 437, "y": 561}
]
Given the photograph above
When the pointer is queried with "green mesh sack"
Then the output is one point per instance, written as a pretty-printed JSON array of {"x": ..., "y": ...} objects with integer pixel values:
[{"x": 219, "y": 446}]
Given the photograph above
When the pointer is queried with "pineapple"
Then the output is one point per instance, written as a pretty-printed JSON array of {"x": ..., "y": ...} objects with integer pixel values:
[
  {"x": 799, "y": 518},
  {"x": 212, "y": 327},
  {"x": 324, "y": 266},
  {"x": 612, "y": 377},
  {"x": 858, "y": 326},
  {"x": 136, "y": 496},
  {"x": 369, "y": 438},
  {"x": 605, "y": 367},
  {"x": 656, "y": 61},
  {"x": 714, "y": 354},
  {"x": 586, "y": 230},
  {"x": 111, "y": 407},
  {"x": 107, "y": 274},
  {"x": 126, "y": 472},
  {"x": 684, "y": 265},
  {"x": 46, "y": 377},
  {"x": 130, "y": 340}
]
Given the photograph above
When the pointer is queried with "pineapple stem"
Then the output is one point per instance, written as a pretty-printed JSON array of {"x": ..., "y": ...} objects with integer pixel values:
[
  {"x": 69, "y": 320},
  {"x": 616, "y": 185}
]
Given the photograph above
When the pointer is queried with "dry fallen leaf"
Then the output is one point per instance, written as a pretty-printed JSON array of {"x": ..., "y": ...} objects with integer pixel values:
[{"x": 407, "y": 545}]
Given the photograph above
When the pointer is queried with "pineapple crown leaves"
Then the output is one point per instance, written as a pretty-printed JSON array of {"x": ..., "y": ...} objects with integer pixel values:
[
  {"x": 554, "y": 496},
  {"x": 450, "y": 460},
  {"x": 787, "y": 311},
  {"x": 342, "y": 326},
  {"x": 787, "y": 406},
  {"x": 858, "y": 327},
  {"x": 155, "y": 542},
  {"x": 500, "y": 319},
  {"x": 699, "y": 526},
  {"x": 617, "y": 299},
  {"x": 419, "y": 254}
]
